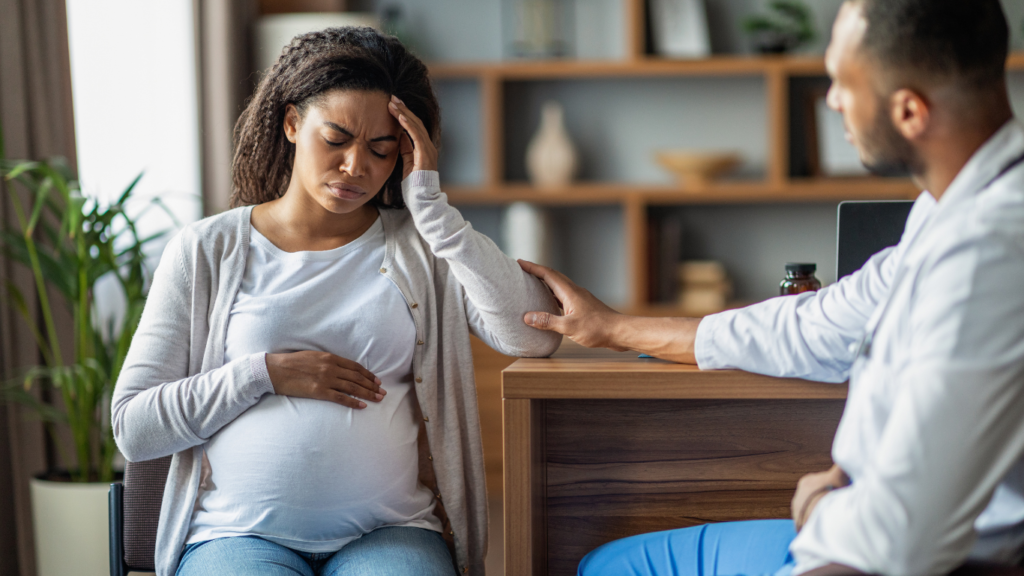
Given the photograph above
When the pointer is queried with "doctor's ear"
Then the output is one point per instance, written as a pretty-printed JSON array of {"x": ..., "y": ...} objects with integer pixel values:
[{"x": 910, "y": 113}]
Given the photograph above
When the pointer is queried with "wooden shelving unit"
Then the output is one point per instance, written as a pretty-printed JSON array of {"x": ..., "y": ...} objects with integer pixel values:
[
  {"x": 796, "y": 190},
  {"x": 777, "y": 186}
]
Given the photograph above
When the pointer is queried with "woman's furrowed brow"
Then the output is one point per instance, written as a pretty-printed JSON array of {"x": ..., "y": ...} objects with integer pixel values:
[{"x": 388, "y": 138}]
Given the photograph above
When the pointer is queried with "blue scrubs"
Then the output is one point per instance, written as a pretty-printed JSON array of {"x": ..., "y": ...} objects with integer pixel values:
[{"x": 755, "y": 547}]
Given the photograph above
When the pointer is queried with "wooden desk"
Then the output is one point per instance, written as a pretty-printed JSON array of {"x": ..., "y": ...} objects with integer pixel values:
[{"x": 600, "y": 445}]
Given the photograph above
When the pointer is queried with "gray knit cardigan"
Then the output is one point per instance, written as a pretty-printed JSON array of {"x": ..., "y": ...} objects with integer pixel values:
[{"x": 175, "y": 391}]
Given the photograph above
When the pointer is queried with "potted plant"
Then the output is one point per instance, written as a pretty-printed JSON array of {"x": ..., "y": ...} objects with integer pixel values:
[
  {"x": 69, "y": 243},
  {"x": 788, "y": 25}
]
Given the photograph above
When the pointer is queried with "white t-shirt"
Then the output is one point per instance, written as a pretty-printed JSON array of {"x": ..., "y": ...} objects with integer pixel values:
[{"x": 309, "y": 474}]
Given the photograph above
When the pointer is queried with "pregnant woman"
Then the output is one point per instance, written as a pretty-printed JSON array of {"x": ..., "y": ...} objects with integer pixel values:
[{"x": 306, "y": 357}]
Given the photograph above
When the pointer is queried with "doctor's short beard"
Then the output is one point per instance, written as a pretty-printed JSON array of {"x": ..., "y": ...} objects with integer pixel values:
[{"x": 886, "y": 152}]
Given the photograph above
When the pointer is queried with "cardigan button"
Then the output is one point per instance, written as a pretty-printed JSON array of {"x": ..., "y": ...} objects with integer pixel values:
[
  {"x": 383, "y": 270},
  {"x": 429, "y": 457},
  {"x": 419, "y": 342},
  {"x": 426, "y": 419},
  {"x": 413, "y": 305},
  {"x": 451, "y": 533},
  {"x": 418, "y": 379}
]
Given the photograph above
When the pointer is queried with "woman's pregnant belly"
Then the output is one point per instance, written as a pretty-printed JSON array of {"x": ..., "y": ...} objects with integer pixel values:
[{"x": 313, "y": 475}]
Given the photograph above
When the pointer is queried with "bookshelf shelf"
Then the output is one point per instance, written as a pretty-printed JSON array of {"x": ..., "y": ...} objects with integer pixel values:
[
  {"x": 646, "y": 66},
  {"x": 802, "y": 190}
]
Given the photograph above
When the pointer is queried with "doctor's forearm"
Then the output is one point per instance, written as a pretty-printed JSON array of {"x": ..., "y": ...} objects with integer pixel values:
[{"x": 667, "y": 338}]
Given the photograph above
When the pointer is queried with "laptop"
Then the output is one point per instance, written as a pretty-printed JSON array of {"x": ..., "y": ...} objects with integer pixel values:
[{"x": 866, "y": 228}]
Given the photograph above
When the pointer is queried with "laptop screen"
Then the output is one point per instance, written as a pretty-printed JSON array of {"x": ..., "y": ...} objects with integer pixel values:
[{"x": 865, "y": 228}]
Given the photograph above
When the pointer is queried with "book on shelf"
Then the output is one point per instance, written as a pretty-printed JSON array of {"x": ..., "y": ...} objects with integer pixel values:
[{"x": 665, "y": 248}]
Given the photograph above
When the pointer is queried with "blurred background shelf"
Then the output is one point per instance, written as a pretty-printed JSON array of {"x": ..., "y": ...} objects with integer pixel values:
[
  {"x": 802, "y": 190},
  {"x": 646, "y": 66}
]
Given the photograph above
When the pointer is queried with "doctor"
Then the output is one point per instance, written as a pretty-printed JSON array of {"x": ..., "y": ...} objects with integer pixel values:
[{"x": 930, "y": 333}]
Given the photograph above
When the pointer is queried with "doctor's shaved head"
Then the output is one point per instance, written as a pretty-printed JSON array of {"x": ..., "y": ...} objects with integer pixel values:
[{"x": 937, "y": 42}]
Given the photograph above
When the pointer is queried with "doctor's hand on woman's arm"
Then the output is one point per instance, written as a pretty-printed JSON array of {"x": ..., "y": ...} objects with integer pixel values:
[
  {"x": 323, "y": 376},
  {"x": 417, "y": 150},
  {"x": 590, "y": 322}
]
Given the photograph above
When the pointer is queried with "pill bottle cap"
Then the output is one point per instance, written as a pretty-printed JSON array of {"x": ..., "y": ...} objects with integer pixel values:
[{"x": 801, "y": 267}]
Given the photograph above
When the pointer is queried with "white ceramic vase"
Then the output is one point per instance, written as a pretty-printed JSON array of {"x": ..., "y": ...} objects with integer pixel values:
[
  {"x": 551, "y": 158},
  {"x": 70, "y": 524}
]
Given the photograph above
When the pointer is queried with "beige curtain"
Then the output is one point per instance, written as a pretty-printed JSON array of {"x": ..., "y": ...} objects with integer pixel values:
[
  {"x": 37, "y": 120},
  {"x": 223, "y": 41}
]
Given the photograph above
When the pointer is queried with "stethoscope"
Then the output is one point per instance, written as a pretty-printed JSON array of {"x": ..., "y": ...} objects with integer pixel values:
[{"x": 864, "y": 349}]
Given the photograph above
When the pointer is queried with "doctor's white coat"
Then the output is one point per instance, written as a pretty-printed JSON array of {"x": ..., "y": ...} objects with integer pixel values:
[{"x": 930, "y": 334}]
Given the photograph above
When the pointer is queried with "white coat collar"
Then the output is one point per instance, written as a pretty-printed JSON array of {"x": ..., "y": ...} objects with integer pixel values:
[{"x": 1005, "y": 146}]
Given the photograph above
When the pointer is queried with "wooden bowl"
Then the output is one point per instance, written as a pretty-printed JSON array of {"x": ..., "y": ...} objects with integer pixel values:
[{"x": 696, "y": 170}]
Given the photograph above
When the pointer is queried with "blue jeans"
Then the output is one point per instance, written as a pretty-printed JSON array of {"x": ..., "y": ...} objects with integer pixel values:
[
  {"x": 391, "y": 551},
  {"x": 756, "y": 547}
]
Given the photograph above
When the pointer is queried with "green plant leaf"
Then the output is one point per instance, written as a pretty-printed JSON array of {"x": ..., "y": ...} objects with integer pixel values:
[
  {"x": 15, "y": 392},
  {"x": 21, "y": 168},
  {"x": 60, "y": 165},
  {"x": 128, "y": 191},
  {"x": 59, "y": 180},
  {"x": 758, "y": 24},
  {"x": 41, "y": 195},
  {"x": 788, "y": 20},
  {"x": 75, "y": 205},
  {"x": 170, "y": 213},
  {"x": 17, "y": 299},
  {"x": 53, "y": 270},
  {"x": 70, "y": 242}
]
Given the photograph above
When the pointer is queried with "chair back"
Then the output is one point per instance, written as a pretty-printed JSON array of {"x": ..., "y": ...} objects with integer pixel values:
[{"x": 141, "y": 497}]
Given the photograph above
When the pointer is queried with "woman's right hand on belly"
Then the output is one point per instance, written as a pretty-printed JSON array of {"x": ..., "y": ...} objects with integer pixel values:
[{"x": 323, "y": 376}]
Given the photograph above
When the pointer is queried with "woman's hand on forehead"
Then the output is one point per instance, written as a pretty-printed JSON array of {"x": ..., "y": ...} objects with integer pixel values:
[{"x": 418, "y": 151}]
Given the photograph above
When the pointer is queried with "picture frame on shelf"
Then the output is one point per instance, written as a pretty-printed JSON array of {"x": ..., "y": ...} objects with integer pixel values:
[{"x": 679, "y": 28}]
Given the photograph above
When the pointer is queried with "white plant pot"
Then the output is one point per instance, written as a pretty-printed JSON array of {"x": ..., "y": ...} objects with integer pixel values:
[{"x": 70, "y": 525}]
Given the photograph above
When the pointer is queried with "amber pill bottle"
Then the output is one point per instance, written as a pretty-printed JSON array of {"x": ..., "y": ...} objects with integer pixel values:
[{"x": 799, "y": 278}]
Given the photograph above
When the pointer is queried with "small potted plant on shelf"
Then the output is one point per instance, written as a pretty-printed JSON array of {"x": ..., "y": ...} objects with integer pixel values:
[
  {"x": 787, "y": 26},
  {"x": 69, "y": 243}
]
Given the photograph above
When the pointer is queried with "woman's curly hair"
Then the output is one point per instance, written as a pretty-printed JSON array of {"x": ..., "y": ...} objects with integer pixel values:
[{"x": 347, "y": 58}]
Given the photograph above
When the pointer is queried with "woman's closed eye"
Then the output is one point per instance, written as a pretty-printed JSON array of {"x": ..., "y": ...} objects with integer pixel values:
[
  {"x": 382, "y": 154},
  {"x": 382, "y": 150}
]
